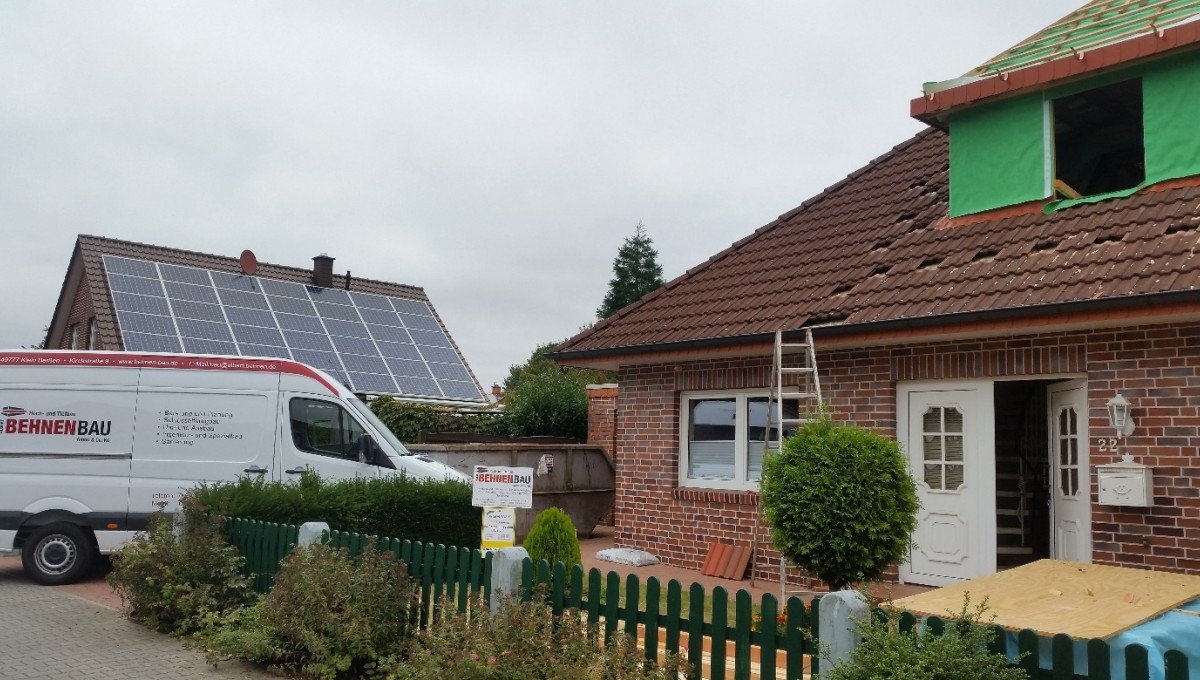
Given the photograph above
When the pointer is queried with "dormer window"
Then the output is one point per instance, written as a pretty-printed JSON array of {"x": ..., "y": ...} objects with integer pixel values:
[{"x": 1098, "y": 140}]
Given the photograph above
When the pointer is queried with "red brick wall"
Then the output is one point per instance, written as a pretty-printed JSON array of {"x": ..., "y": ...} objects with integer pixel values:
[
  {"x": 1156, "y": 367},
  {"x": 602, "y": 416},
  {"x": 81, "y": 313}
]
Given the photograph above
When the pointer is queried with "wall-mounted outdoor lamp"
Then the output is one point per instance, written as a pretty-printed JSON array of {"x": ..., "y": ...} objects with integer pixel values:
[{"x": 1120, "y": 416}]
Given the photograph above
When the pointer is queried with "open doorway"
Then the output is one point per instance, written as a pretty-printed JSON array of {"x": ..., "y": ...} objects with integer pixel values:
[{"x": 1022, "y": 472}]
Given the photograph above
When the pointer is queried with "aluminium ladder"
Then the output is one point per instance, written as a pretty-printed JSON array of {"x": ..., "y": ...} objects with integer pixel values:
[{"x": 791, "y": 358}]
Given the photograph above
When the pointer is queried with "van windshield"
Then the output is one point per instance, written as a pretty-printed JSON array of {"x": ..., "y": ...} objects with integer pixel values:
[{"x": 392, "y": 442}]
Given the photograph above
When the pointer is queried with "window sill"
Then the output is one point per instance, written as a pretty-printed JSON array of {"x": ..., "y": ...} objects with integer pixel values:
[{"x": 727, "y": 496}]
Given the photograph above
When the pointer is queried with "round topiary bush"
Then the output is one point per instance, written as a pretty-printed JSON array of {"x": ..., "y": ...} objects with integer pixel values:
[
  {"x": 553, "y": 538},
  {"x": 840, "y": 502}
]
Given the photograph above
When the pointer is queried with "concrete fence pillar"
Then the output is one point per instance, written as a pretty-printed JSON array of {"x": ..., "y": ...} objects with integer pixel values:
[
  {"x": 506, "y": 574},
  {"x": 841, "y": 614},
  {"x": 310, "y": 533}
]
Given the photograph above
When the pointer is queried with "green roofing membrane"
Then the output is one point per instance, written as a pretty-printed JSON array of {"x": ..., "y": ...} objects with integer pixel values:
[
  {"x": 1098, "y": 23},
  {"x": 997, "y": 155}
]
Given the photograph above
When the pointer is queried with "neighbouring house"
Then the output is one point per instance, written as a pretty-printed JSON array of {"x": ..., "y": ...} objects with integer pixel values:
[
  {"x": 981, "y": 292},
  {"x": 378, "y": 338}
]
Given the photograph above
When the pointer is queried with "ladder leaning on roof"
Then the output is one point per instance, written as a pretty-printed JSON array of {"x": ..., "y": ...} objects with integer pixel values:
[{"x": 791, "y": 358}]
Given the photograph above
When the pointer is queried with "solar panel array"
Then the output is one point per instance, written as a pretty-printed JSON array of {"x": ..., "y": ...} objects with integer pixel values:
[{"x": 371, "y": 343}]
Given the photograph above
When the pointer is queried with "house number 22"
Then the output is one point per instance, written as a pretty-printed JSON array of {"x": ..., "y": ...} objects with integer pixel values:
[{"x": 1109, "y": 444}]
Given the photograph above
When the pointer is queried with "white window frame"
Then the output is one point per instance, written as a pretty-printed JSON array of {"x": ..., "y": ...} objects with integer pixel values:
[
  {"x": 74, "y": 336},
  {"x": 93, "y": 334},
  {"x": 740, "y": 452}
]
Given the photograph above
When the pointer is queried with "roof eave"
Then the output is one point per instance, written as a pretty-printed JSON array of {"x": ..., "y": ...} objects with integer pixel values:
[
  {"x": 931, "y": 108},
  {"x": 1144, "y": 301}
]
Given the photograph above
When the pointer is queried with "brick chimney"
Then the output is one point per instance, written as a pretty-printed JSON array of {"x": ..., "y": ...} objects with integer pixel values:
[{"x": 322, "y": 274}]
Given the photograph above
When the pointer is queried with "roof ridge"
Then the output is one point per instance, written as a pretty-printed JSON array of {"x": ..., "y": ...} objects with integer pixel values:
[
  {"x": 736, "y": 245},
  {"x": 106, "y": 239}
]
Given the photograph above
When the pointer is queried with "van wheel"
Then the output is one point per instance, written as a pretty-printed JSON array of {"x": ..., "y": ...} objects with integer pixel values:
[{"x": 57, "y": 553}]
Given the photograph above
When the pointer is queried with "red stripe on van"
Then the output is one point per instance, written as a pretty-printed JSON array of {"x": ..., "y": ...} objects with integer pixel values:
[{"x": 178, "y": 361}]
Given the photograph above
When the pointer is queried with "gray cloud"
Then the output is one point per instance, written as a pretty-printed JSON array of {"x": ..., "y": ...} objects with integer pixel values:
[{"x": 494, "y": 153}]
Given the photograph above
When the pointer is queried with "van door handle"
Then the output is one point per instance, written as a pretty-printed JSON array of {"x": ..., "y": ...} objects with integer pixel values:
[
  {"x": 295, "y": 471},
  {"x": 255, "y": 470}
]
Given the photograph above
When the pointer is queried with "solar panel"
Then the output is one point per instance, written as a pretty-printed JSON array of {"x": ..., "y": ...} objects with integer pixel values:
[
  {"x": 239, "y": 298},
  {"x": 146, "y": 323},
  {"x": 204, "y": 330},
  {"x": 249, "y": 317},
  {"x": 264, "y": 351},
  {"x": 201, "y": 346},
  {"x": 195, "y": 310},
  {"x": 134, "y": 284},
  {"x": 171, "y": 272},
  {"x": 400, "y": 349},
  {"x": 143, "y": 304},
  {"x": 350, "y": 329},
  {"x": 411, "y": 307},
  {"x": 289, "y": 305},
  {"x": 254, "y": 335},
  {"x": 311, "y": 341},
  {"x": 144, "y": 342},
  {"x": 186, "y": 291}
]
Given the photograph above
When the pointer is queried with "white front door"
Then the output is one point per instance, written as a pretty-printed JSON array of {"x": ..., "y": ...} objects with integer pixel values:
[
  {"x": 1070, "y": 482},
  {"x": 949, "y": 435}
]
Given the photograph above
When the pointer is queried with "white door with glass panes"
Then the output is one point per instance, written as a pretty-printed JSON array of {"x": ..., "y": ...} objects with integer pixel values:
[
  {"x": 1071, "y": 486},
  {"x": 948, "y": 434},
  {"x": 722, "y": 438}
]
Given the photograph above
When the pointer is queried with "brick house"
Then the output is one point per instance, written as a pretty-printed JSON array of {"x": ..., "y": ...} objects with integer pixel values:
[
  {"x": 377, "y": 337},
  {"x": 980, "y": 292}
]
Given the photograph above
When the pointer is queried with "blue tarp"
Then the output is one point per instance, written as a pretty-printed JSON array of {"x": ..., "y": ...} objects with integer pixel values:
[{"x": 1171, "y": 630}]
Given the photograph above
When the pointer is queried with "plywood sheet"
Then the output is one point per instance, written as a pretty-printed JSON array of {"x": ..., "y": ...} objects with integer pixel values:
[{"x": 1053, "y": 596}]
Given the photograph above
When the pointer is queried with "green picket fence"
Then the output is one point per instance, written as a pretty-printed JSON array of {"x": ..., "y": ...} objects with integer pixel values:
[{"x": 747, "y": 642}]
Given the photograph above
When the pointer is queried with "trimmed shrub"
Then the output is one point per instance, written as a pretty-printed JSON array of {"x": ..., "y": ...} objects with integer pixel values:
[
  {"x": 328, "y": 615},
  {"x": 408, "y": 420},
  {"x": 396, "y": 507},
  {"x": 960, "y": 652},
  {"x": 549, "y": 403},
  {"x": 526, "y": 640},
  {"x": 840, "y": 502},
  {"x": 171, "y": 583},
  {"x": 553, "y": 538}
]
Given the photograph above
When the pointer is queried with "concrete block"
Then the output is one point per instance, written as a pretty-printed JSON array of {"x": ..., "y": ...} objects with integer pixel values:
[
  {"x": 506, "y": 574},
  {"x": 841, "y": 614},
  {"x": 310, "y": 532}
]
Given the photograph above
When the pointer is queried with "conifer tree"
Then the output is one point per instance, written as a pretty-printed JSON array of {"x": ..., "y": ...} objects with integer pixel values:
[{"x": 636, "y": 271}]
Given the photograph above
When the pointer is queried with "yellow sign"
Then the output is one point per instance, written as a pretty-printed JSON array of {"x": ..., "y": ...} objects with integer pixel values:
[{"x": 499, "y": 528}]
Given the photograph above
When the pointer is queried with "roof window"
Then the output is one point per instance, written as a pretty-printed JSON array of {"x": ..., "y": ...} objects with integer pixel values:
[{"x": 1098, "y": 143}]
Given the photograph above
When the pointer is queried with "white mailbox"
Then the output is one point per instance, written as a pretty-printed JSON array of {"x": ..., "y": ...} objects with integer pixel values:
[{"x": 1126, "y": 483}]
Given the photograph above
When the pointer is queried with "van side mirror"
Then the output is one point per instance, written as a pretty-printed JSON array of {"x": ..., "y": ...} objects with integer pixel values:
[{"x": 369, "y": 452}]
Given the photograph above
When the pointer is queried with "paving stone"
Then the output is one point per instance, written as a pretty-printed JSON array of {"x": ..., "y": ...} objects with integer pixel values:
[{"x": 49, "y": 633}]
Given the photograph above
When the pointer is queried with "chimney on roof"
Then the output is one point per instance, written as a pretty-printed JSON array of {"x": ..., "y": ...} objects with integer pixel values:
[
  {"x": 322, "y": 274},
  {"x": 497, "y": 391}
]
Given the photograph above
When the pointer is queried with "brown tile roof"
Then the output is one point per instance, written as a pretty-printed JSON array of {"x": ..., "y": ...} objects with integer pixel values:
[
  {"x": 879, "y": 246},
  {"x": 92, "y": 248}
]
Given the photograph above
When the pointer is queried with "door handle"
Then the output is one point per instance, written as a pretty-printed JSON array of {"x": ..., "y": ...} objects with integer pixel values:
[
  {"x": 295, "y": 471},
  {"x": 254, "y": 469}
]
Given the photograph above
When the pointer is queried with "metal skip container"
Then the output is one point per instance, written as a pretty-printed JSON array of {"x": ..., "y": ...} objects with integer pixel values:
[{"x": 577, "y": 478}]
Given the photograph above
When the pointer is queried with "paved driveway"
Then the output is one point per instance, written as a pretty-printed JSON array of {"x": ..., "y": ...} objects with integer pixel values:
[{"x": 51, "y": 633}]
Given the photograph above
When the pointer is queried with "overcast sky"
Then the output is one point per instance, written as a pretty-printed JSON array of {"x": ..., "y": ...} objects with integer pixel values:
[{"x": 494, "y": 153}]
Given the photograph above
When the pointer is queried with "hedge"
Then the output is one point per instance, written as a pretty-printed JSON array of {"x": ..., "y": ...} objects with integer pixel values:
[{"x": 397, "y": 507}]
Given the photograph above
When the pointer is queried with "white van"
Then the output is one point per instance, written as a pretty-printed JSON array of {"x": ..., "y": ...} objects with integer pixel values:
[{"x": 91, "y": 443}]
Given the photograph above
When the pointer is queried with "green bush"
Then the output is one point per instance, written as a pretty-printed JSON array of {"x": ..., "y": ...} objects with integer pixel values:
[
  {"x": 408, "y": 420},
  {"x": 840, "y": 502},
  {"x": 549, "y": 403},
  {"x": 396, "y": 507},
  {"x": 171, "y": 583},
  {"x": 553, "y": 538},
  {"x": 525, "y": 640},
  {"x": 958, "y": 654},
  {"x": 328, "y": 615}
]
